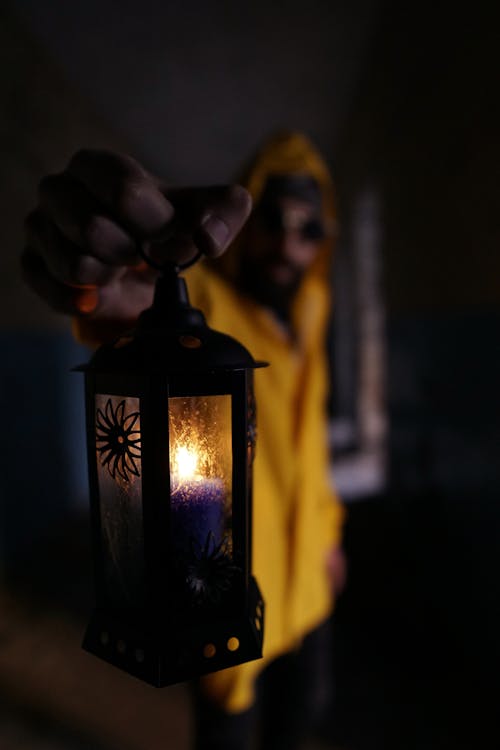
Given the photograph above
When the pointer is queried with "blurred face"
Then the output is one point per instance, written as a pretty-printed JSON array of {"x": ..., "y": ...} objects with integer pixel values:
[{"x": 282, "y": 241}]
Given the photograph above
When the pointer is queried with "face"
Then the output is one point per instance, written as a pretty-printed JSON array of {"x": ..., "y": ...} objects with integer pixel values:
[{"x": 282, "y": 241}]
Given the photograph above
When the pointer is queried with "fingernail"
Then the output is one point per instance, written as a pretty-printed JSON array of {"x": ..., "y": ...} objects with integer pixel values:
[
  {"x": 217, "y": 230},
  {"x": 86, "y": 301}
]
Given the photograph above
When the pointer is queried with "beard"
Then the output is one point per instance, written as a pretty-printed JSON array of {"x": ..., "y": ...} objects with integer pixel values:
[{"x": 256, "y": 279}]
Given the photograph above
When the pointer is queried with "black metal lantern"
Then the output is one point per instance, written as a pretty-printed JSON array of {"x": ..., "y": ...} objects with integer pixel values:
[{"x": 171, "y": 438}]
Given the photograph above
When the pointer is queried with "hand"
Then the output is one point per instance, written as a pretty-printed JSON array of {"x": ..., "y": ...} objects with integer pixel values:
[
  {"x": 336, "y": 567},
  {"x": 81, "y": 241}
]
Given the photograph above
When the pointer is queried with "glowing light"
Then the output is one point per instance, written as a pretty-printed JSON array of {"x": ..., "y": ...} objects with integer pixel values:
[{"x": 186, "y": 463}]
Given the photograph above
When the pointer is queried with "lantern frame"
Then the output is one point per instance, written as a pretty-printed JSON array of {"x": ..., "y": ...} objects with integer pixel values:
[{"x": 166, "y": 638}]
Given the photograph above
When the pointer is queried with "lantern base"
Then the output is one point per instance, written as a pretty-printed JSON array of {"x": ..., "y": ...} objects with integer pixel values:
[{"x": 179, "y": 654}]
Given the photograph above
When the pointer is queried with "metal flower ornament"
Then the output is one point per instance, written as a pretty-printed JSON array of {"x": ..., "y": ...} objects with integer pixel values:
[
  {"x": 209, "y": 571},
  {"x": 118, "y": 440}
]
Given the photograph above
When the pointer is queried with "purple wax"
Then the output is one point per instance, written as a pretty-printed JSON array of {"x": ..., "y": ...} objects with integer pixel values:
[{"x": 197, "y": 510}]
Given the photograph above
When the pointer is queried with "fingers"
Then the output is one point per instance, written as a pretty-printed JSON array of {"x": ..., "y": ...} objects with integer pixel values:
[
  {"x": 121, "y": 299},
  {"x": 85, "y": 232},
  {"x": 83, "y": 221},
  {"x": 206, "y": 220},
  {"x": 215, "y": 214},
  {"x": 64, "y": 260},
  {"x": 104, "y": 203},
  {"x": 60, "y": 297},
  {"x": 124, "y": 188}
]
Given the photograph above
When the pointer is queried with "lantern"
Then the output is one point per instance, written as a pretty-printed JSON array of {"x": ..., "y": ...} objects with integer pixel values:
[{"x": 171, "y": 438}]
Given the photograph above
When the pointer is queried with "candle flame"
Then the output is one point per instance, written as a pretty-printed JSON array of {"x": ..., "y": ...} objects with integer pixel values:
[{"x": 186, "y": 462}]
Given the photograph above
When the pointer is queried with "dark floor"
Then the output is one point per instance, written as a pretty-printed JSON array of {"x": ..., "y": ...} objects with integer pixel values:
[
  {"x": 415, "y": 634},
  {"x": 417, "y": 652},
  {"x": 21, "y": 732}
]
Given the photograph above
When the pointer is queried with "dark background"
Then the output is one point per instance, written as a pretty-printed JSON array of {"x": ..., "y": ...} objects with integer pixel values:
[{"x": 402, "y": 99}]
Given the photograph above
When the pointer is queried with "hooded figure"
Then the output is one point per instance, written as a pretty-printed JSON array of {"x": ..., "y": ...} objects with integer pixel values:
[{"x": 297, "y": 518}]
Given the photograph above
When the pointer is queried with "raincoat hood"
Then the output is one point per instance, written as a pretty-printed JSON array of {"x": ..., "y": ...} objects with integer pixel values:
[{"x": 287, "y": 153}]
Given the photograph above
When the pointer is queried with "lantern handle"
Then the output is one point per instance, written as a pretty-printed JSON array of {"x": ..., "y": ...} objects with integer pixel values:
[{"x": 167, "y": 265}]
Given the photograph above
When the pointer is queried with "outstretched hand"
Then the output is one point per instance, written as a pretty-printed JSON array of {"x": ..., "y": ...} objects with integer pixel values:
[{"x": 81, "y": 253}]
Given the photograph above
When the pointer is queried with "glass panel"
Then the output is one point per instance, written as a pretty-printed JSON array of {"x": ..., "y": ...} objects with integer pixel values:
[
  {"x": 201, "y": 493},
  {"x": 119, "y": 468}
]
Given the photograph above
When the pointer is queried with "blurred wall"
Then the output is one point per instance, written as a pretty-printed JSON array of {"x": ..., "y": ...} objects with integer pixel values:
[
  {"x": 43, "y": 119},
  {"x": 424, "y": 132},
  {"x": 195, "y": 85}
]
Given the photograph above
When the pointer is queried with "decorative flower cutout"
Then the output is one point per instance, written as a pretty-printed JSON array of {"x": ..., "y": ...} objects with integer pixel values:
[
  {"x": 210, "y": 572},
  {"x": 118, "y": 440}
]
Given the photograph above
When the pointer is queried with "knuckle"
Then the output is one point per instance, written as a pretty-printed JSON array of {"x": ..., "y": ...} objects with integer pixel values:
[
  {"x": 92, "y": 230},
  {"x": 137, "y": 202},
  {"x": 107, "y": 240},
  {"x": 82, "y": 270},
  {"x": 240, "y": 196},
  {"x": 130, "y": 165},
  {"x": 128, "y": 192}
]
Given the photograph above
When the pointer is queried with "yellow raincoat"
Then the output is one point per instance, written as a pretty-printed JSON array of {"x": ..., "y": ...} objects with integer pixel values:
[{"x": 297, "y": 517}]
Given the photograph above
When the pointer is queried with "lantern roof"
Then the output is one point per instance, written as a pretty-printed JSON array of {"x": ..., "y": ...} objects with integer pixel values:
[{"x": 171, "y": 337}]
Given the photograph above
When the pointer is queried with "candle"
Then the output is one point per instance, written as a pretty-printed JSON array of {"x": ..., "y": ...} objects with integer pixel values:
[{"x": 197, "y": 505}]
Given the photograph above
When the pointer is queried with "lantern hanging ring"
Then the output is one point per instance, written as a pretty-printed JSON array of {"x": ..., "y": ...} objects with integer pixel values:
[{"x": 167, "y": 265}]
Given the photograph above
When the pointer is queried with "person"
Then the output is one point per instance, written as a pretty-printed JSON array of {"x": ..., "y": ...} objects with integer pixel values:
[{"x": 270, "y": 291}]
